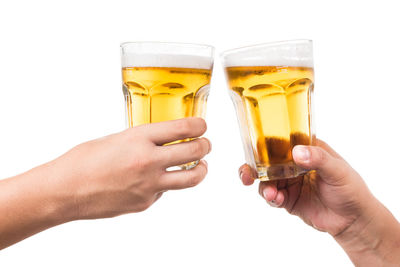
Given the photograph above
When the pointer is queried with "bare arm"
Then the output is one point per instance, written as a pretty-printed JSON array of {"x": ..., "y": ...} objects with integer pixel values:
[
  {"x": 110, "y": 176},
  {"x": 374, "y": 239}
]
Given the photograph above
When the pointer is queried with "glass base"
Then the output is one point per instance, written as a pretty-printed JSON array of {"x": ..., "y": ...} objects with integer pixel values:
[
  {"x": 186, "y": 166},
  {"x": 279, "y": 171},
  {"x": 189, "y": 165}
]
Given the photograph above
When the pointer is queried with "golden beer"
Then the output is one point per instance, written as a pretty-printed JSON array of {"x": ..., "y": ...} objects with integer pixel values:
[
  {"x": 274, "y": 105},
  {"x": 277, "y": 105},
  {"x": 155, "y": 94}
]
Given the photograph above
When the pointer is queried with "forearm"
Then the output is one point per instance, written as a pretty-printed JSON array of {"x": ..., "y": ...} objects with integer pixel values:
[
  {"x": 30, "y": 203},
  {"x": 374, "y": 239}
]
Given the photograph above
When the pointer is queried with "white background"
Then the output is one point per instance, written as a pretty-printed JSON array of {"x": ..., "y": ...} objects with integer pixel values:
[{"x": 60, "y": 85}]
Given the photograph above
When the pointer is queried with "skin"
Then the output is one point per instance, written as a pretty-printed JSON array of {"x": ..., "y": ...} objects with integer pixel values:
[
  {"x": 117, "y": 174},
  {"x": 333, "y": 198}
]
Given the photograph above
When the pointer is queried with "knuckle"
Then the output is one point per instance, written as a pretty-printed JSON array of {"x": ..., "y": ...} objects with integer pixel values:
[
  {"x": 190, "y": 127},
  {"x": 196, "y": 148},
  {"x": 184, "y": 127},
  {"x": 136, "y": 133},
  {"x": 320, "y": 157},
  {"x": 193, "y": 180},
  {"x": 195, "y": 177},
  {"x": 205, "y": 145}
]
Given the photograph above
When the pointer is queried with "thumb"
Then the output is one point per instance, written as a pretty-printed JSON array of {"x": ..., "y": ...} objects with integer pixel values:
[{"x": 333, "y": 171}]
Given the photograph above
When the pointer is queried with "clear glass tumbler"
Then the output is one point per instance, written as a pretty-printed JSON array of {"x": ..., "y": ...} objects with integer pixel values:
[
  {"x": 165, "y": 81},
  {"x": 271, "y": 86}
]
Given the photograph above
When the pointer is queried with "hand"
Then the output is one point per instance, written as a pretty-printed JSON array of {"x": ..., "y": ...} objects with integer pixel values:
[
  {"x": 333, "y": 198},
  {"x": 329, "y": 200},
  {"x": 126, "y": 172},
  {"x": 121, "y": 173}
]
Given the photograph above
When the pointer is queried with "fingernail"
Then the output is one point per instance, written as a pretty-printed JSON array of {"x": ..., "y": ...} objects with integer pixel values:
[
  {"x": 273, "y": 203},
  {"x": 209, "y": 150},
  {"x": 301, "y": 153},
  {"x": 240, "y": 174}
]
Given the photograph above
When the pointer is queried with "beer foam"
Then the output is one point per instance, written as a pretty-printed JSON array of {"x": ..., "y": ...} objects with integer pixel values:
[
  {"x": 297, "y": 53},
  {"x": 167, "y": 60}
]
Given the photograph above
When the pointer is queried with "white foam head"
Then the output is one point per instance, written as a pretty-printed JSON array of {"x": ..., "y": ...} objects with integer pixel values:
[
  {"x": 178, "y": 55},
  {"x": 296, "y": 53}
]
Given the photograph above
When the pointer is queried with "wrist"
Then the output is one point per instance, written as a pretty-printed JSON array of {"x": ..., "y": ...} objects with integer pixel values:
[
  {"x": 58, "y": 203},
  {"x": 374, "y": 238}
]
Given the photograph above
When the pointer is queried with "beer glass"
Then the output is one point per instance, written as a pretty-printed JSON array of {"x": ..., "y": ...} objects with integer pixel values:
[
  {"x": 271, "y": 86},
  {"x": 165, "y": 81}
]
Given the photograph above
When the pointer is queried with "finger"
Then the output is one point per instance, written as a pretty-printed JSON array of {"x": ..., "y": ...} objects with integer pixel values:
[
  {"x": 293, "y": 190},
  {"x": 268, "y": 190},
  {"x": 295, "y": 181},
  {"x": 281, "y": 199},
  {"x": 246, "y": 174},
  {"x": 164, "y": 132},
  {"x": 185, "y": 152},
  {"x": 174, "y": 180},
  {"x": 332, "y": 170},
  {"x": 285, "y": 197},
  {"x": 327, "y": 148},
  {"x": 282, "y": 183}
]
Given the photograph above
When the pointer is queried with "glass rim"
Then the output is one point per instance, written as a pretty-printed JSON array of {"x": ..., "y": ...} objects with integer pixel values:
[
  {"x": 194, "y": 45},
  {"x": 167, "y": 54},
  {"x": 262, "y": 45}
]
